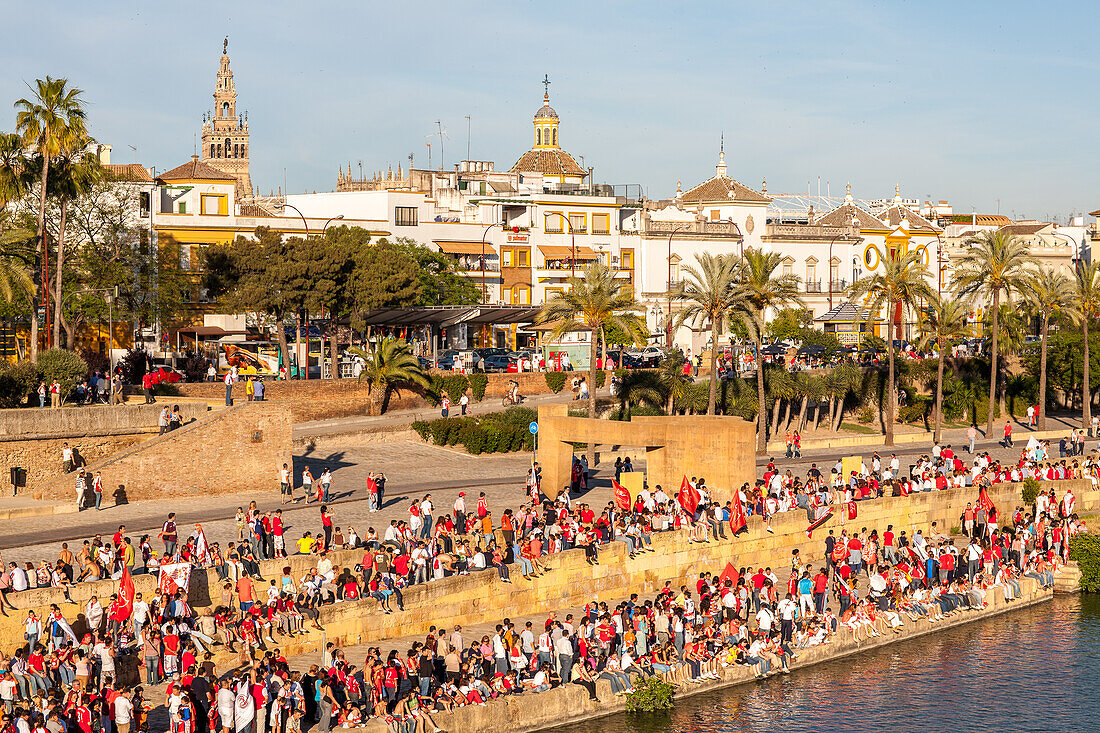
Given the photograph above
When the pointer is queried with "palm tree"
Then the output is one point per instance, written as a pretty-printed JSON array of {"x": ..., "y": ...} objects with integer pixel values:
[
  {"x": 13, "y": 168},
  {"x": 993, "y": 265},
  {"x": 1049, "y": 292},
  {"x": 759, "y": 290},
  {"x": 52, "y": 115},
  {"x": 707, "y": 293},
  {"x": 592, "y": 302},
  {"x": 945, "y": 321},
  {"x": 389, "y": 366},
  {"x": 674, "y": 383},
  {"x": 640, "y": 387},
  {"x": 75, "y": 172},
  {"x": 1086, "y": 303},
  {"x": 901, "y": 283}
]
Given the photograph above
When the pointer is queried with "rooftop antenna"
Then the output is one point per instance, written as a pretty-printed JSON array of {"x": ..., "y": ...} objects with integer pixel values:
[
  {"x": 410, "y": 162},
  {"x": 428, "y": 144},
  {"x": 442, "y": 133},
  {"x": 134, "y": 148},
  {"x": 469, "y": 128}
]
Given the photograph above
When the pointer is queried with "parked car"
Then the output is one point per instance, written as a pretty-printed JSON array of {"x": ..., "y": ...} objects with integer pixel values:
[
  {"x": 425, "y": 364},
  {"x": 497, "y": 362},
  {"x": 446, "y": 360},
  {"x": 164, "y": 374},
  {"x": 645, "y": 358}
]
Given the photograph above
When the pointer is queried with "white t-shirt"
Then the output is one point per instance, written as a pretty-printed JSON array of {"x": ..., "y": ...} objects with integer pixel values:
[{"x": 123, "y": 710}]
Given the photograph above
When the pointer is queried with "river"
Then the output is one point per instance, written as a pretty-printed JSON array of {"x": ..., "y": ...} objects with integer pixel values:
[{"x": 1034, "y": 669}]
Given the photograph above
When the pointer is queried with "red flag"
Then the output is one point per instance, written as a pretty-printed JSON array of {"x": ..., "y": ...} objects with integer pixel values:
[
  {"x": 688, "y": 497},
  {"x": 738, "y": 520},
  {"x": 622, "y": 496},
  {"x": 851, "y": 510},
  {"x": 818, "y": 522},
  {"x": 126, "y": 592},
  {"x": 904, "y": 486},
  {"x": 984, "y": 502},
  {"x": 730, "y": 574}
]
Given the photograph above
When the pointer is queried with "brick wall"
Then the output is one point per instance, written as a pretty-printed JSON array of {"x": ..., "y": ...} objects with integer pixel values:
[{"x": 248, "y": 443}]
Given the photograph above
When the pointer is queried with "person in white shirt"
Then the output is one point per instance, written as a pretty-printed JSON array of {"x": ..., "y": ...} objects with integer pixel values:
[
  {"x": 764, "y": 619},
  {"x": 426, "y": 509},
  {"x": 124, "y": 710}
]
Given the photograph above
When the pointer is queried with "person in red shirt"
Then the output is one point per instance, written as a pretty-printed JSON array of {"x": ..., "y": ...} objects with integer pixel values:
[
  {"x": 821, "y": 587},
  {"x": 277, "y": 533}
]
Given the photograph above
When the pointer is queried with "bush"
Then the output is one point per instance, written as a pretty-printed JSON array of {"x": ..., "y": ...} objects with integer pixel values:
[
  {"x": 516, "y": 415},
  {"x": 454, "y": 385},
  {"x": 64, "y": 366},
  {"x": 555, "y": 381},
  {"x": 650, "y": 696},
  {"x": 478, "y": 383},
  {"x": 134, "y": 364},
  {"x": 194, "y": 366},
  {"x": 601, "y": 378},
  {"x": 866, "y": 414},
  {"x": 1084, "y": 549},
  {"x": 434, "y": 393},
  {"x": 911, "y": 413},
  {"x": 17, "y": 382},
  {"x": 1029, "y": 491},
  {"x": 423, "y": 428},
  {"x": 498, "y": 433}
]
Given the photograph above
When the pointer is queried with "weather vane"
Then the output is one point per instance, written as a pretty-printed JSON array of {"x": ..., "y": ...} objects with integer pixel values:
[{"x": 225, "y": 45}]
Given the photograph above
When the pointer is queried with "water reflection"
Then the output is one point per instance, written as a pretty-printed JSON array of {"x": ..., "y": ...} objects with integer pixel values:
[{"x": 1034, "y": 669}]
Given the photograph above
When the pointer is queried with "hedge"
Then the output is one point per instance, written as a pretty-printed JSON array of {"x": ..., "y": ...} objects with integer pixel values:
[
  {"x": 555, "y": 381},
  {"x": 1084, "y": 549},
  {"x": 502, "y": 432},
  {"x": 478, "y": 383}
]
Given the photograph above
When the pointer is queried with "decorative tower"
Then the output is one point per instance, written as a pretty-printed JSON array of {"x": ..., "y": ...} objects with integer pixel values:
[
  {"x": 225, "y": 133},
  {"x": 546, "y": 121}
]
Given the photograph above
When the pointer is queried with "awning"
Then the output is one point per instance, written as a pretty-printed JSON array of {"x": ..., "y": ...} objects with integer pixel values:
[
  {"x": 465, "y": 248},
  {"x": 559, "y": 252}
]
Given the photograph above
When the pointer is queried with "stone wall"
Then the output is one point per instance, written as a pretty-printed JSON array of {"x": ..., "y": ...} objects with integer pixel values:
[
  {"x": 330, "y": 398},
  {"x": 472, "y": 599},
  {"x": 64, "y": 422},
  {"x": 234, "y": 450},
  {"x": 32, "y": 439}
]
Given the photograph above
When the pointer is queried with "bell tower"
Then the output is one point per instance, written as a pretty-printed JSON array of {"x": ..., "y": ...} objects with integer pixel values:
[{"x": 225, "y": 132}]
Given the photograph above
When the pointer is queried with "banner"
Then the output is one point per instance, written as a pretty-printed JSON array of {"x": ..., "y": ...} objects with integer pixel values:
[
  {"x": 126, "y": 593},
  {"x": 821, "y": 519},
  {"x": 688, "y": 497},
  {"x": 852, "y": 511},
  {"x": 738, "y": 520},
  {"x": 174, "y": 576},
  {"x": 730, "y": 574}
]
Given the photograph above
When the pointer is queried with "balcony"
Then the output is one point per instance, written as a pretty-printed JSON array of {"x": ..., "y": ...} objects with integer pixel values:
[
  {"x": 692, "y": 229},
  {"x": 822, "y": 286}
]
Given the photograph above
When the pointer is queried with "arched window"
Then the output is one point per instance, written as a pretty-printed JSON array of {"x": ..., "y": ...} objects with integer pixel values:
[
  {"x": 555, "y": 135},
  {"x": 228, "y": 148},
  {"x": 211, "y": 150},
  {"x": 546, "y": 134},
  {"x": 538, "y": 136},
  {"x": 236, "y": 151},
  {"x": 244, "y": 151},
  {"x": 225, "y": 109}
]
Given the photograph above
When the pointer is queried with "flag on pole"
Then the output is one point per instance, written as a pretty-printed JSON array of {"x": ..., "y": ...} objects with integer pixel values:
[
  {"x": 622, "y": 496},
  {"x": 730, "y": 574},
  {"x": 738, "y": 520},
  {"x": 126, "y": 593},
  {"x": 688, "y": 497},
  {"x": 984, "y": 502}
]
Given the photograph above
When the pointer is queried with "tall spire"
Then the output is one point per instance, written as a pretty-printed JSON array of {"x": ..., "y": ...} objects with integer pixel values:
[
  {"x": 720, "y": 169},
  {"x": 848, "y": 193}
]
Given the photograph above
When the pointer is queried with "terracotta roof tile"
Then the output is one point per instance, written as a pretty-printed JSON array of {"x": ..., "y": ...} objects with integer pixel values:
[
  {"x": 195, "y": 168},
  {"x": 1024, "y": 229},
  {"x": 549, "y": 162},
  {"x": 130, "y": 172},
  {"x": 842, "y": 217},
  {"x": 897, "y": 213},
  {"x": 720, "y": 188}
]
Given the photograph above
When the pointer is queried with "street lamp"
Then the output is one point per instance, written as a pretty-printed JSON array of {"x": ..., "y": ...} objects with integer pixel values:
[
  {"x": 330, "y": 220},
  {"x": 668, "y": 325},
  {"x": 484, "y": 234},
  {"x": 304, "y": 222},
  {"x": 572, "y": 238}
]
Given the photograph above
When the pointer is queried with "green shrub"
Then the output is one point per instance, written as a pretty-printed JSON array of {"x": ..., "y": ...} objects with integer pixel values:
[
  {"x": 17, "y": 382},
  {"x": 434, "y": 392},
  {"x": 478, "y": 383},
  {"x": 515, "y": 415},
  {"x": 1029, "y": 491},
  {"x": 911, "y": 413},
  {"x": 423, "y": 428},
  {"x": 454, "y": 385},
  {"x": 601, "y": 377},
  {"x": 441, "y": 430},
  {"x": 866, "y": 414},
  {"x": 650, "y": 696},
  {"x": 1084, "y": 549},
  {"x": 164, "y": 389},
  {"x": 64, "y": 366},
  {"x": 555, "y": 381}
]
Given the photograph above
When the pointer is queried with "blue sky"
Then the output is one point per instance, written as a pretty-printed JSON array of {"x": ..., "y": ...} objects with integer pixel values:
[{"x": 970, "y": 102}]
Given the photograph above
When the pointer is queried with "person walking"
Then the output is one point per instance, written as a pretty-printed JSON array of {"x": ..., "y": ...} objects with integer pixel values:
[
  {"x": 97, "y": 490},
  {"x": 41, "y": 395},
  {"x": 147, "y": 387},
  {"x": 326, "y": 486},
  {"x": 1008, "y": 433},
  {"x": 971, "y": 437},
  {"x": 162, "y": 420}
]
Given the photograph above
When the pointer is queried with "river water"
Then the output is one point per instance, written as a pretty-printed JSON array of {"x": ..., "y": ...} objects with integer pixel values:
[{"x": 1036, "y": 669}]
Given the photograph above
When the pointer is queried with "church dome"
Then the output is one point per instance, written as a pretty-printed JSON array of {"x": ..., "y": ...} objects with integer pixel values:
[{"x": 546, "y": 112}]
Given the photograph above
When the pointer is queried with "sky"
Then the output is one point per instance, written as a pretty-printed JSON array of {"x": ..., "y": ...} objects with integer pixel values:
[{"x": 987, "y": 105}]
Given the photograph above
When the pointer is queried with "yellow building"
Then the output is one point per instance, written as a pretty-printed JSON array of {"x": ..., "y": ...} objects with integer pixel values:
[{"x": 546, "y": 157}]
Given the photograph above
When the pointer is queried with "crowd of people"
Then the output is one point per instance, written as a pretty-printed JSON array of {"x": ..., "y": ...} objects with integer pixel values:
[{"x": 871, "y": 582}]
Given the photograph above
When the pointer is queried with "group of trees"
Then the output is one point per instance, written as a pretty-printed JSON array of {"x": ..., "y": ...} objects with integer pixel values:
[
  {"x": 70, "y": 233},
  {"x": 722, "y": 291},
  {"x": 341, "y": 274}
]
